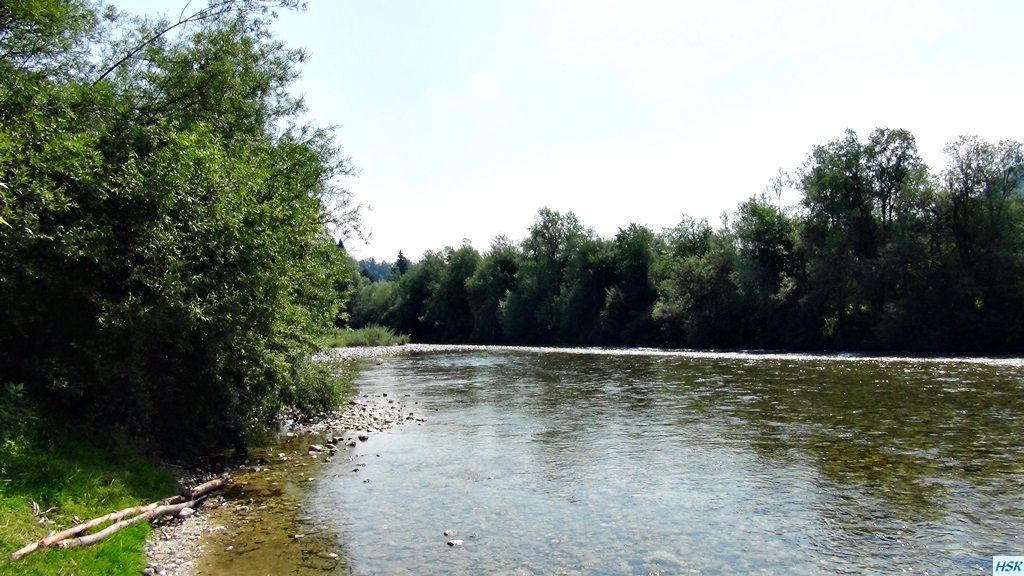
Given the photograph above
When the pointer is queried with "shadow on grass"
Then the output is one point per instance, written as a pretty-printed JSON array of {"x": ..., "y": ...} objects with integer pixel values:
[{"x": 69, "y": 472}]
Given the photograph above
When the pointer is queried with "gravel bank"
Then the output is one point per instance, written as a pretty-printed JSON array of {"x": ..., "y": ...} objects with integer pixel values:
[
  {"x": 173, "y": 545},
  {"x": 384, "y": 351}
]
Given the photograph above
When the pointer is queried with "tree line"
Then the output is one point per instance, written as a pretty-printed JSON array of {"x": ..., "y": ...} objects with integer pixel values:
[
  {"x": 880, "y": 254},
  {"x": 167, "y": 221}
]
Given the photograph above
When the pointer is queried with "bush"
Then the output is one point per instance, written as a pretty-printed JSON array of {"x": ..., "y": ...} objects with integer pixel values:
[
  {"x": 16, "y": 417},
  {"x": 166, "y": 226},
  {"x": 372, "y": 335}
]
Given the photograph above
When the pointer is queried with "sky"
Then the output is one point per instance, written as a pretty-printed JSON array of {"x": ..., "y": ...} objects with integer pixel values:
[{"x": 466, "y": 117}]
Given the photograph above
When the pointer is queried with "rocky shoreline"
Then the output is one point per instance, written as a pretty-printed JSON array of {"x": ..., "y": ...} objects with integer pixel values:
[{"x": 177, "y": 544}]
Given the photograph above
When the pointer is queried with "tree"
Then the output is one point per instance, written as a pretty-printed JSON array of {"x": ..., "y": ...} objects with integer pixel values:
[
  {"x": 401, "y": 264},
  {"x": 767, "y": 273},
  {"x": 538, "y": 310},
  {"x": 840, "y": 237},
  {"x": 373, "y": 303},
  {"x": 492, "y": 282},
  {"x": 113, "y": 167},
  {"x": 682, "y": 270},
  {"x": 448, "y": 309},
  {"x": 416, "y": 288},
  {"x": 880, "y": 255},
  {"x": 896, "y": 172},
  {"x": 627, "y": 309},
  {"x": 900, "y": 282},
  {"x": 589, "y": 275},
  {"x": 981, "y": 209}
]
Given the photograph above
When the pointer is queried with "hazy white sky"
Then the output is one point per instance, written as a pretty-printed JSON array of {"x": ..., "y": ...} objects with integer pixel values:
[{"x": 466, "y": 117}]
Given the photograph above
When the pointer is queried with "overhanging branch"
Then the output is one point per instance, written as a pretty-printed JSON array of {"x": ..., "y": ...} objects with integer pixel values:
[{"x": 210, "y": 11}]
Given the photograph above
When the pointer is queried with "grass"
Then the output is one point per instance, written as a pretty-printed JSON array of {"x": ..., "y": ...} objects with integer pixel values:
[
  {"x": 372, "y": 335},
  {"x": 74, "y": 472}
]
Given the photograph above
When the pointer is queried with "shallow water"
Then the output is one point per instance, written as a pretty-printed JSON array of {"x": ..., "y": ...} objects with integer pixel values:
[
  {"x": 263, "y": 527},
  {"x": 646, "y": 463}
]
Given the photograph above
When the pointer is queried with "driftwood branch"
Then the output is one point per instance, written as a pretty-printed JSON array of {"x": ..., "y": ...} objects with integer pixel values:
[
  {"x": 158, "y": 511},
  {"x": 172, "y": 505},
  {"x": 205, "y": 488},
  {"x": 112, "y": 517},
  {"x": 25, "y": 550}
]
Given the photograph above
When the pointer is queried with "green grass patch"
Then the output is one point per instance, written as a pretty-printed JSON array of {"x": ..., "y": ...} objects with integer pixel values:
[
  {"x": 372, "y": 335},
  {"x": 68, "y": 472}
]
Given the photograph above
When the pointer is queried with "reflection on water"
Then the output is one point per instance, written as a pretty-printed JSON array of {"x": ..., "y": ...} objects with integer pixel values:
[{"x": 567, "y": 463}]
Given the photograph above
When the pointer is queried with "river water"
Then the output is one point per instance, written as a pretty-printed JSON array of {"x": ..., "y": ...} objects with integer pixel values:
[{"x": 584, "y": 462}]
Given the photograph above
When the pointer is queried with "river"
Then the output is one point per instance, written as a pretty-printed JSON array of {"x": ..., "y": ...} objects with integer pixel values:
[{"x": 644, "y": 462}]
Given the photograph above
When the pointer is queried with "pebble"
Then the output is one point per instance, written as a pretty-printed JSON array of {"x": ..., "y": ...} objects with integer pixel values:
[{"x": 456, "y": 543}]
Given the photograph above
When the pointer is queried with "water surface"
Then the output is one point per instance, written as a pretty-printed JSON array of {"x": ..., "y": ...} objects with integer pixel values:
[{"x": 653, "y": 463}]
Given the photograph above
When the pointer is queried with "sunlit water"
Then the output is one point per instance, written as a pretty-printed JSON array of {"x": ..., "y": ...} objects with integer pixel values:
[{"x": 567, "y": 463}]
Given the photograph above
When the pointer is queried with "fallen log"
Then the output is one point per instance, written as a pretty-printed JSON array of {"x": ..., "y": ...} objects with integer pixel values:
[
  {"x": 152, "y": 510},
  {"x": 206, "y": 488},
  {"x": 24, "y": 550},
  {"x": 79, "y": 528},
  {"x": 158, "y": 511},
  {"x": 112, "y": 517}
]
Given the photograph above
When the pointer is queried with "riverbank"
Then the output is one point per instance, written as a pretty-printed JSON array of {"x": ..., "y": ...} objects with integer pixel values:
[
  {"x": 264, "y": 509},
  {"x": 257, "y": 524},
  {"x": 264, "y": 503}
]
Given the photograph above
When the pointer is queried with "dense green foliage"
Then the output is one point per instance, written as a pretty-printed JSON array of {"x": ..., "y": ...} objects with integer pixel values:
[
  {"x": 881, "y": 254},
  {"x": 166, "y": 234}
]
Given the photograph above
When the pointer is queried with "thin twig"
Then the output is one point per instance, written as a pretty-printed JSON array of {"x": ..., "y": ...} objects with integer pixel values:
[{"x": 208, "y": 12}]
